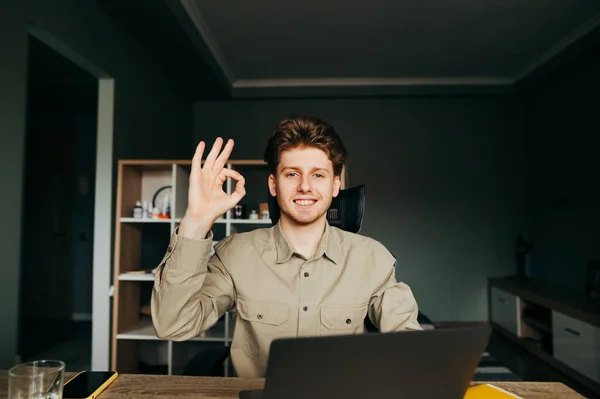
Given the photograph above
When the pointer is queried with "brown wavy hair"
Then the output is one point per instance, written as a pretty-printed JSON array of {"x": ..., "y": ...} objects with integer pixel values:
[{"x": 304, "y": 131}]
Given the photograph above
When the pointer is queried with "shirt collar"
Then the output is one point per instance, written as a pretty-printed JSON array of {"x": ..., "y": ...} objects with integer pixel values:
[{"x": 328, "y": 246}]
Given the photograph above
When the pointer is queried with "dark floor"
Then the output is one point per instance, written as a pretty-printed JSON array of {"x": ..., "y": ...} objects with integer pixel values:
[{"x": 529, "y": 367}]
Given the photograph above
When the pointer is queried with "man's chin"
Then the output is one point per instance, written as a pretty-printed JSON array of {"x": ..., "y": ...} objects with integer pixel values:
[{"x": 303, "y": 221}]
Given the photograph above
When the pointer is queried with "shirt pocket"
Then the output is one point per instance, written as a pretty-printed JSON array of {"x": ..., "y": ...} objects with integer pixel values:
[
  {"x": 342, "y": 319},
  {"x": 265, "y": 312},
  {"x": 263, "y": 322}
]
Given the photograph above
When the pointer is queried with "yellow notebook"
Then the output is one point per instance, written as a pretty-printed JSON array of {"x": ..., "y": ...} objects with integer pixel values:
[{"x": 488, "y": 391}]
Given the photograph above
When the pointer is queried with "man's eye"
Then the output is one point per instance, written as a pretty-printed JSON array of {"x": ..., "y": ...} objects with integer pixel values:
[
  {"x": 292, "y": 174},
  {"x": 319, "y": 175}
]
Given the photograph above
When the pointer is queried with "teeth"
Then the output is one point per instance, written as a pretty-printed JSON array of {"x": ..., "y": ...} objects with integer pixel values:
[{"x": 305, "y": 202}]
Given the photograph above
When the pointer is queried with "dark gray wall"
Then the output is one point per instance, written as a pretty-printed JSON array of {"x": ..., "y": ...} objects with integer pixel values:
[
  {"x": 563, "y": 140},
  {"x": 13, "y": 41},
  {"x": 153, "y": 117},
  {"x": 445, "y": 182}
]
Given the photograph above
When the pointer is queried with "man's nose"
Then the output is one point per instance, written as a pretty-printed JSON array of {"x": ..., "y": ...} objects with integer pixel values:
[{"x": 304, "y": 185}]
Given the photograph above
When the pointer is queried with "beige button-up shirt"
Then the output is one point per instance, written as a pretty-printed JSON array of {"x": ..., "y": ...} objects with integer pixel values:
[{"x": 277, "y": 293}]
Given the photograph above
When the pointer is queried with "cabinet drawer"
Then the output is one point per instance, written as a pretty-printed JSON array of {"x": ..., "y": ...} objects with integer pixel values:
[
  {"x": 577, "y": 344},
  {"x": 504, "y": 309}
]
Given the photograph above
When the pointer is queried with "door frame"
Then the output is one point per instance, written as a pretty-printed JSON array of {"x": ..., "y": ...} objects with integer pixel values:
[{"x": 102, "y": 264}]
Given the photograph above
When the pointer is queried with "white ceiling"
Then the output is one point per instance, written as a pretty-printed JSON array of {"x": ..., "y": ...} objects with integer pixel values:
[{"x": 268, "y": 47}]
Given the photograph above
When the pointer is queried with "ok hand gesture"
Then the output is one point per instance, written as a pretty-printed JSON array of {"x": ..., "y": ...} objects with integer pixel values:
[{"x": 207, "y": 200}]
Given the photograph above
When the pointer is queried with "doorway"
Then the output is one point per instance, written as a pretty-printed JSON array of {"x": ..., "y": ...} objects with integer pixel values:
[{"x": 58, "y": 212}]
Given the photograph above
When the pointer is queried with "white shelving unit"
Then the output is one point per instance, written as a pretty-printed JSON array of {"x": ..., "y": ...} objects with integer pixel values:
[{"x": 140, "y": 244}]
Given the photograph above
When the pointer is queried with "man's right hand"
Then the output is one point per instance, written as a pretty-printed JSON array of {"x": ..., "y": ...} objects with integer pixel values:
[{"x": 206, "y": 199}]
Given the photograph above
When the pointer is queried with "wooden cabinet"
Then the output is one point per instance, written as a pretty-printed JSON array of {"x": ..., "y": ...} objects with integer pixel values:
[
  {"x": 577, "y": 344},
  {"x": 504, "y": 308},
  {"x": 562, "y": 328}
]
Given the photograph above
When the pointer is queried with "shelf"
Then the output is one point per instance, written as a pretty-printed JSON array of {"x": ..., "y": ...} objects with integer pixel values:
[
  {"x": 145, "y": 331},
  {"x": 215, "y": 334},
  {"x": 134, "y": 220},
  {"x": 136, "y": 277}
]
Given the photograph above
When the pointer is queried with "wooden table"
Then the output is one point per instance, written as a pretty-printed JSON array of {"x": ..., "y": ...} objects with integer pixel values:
[{"x": 173, "y": 387}]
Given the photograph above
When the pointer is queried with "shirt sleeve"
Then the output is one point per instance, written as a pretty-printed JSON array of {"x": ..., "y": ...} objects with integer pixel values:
[
  {"x": 392, "y": 306},
  {"x": 192, "y": 289}
]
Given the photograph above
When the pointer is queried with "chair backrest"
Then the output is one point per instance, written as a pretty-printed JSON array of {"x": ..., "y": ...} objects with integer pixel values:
[{"x": 346, "y": 210}]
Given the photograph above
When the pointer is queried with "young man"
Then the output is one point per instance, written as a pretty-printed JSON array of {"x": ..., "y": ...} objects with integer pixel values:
[{"x": 300, "y": 277}]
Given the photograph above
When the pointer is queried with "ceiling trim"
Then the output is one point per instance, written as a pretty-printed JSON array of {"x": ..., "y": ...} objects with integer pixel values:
[
  {"x": 560, "y": 46},
  {"x": 371, "y": 82},
  {"x": 206, "y": 34}
]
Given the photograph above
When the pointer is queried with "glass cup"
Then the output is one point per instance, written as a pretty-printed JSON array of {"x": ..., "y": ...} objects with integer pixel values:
[{"x": 40, "y": 379}]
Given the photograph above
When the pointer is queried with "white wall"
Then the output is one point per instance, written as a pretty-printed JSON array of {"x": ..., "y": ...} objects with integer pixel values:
[
  {"x": 563, "y": 143},
  {"x": 445, "y": 182},
  {"x": 152, "y": 116}
]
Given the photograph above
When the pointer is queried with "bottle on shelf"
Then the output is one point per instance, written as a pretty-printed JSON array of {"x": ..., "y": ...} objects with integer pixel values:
[{"x": 138, "y": 211}]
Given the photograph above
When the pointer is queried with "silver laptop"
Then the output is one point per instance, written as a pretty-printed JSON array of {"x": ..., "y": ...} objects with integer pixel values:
[{"x": 436, "y": 363}]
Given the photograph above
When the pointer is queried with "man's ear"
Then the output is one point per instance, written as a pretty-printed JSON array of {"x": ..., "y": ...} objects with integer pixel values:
[
  {"x": 272, "y": 185},
  {"x": 337, "y": 183}
]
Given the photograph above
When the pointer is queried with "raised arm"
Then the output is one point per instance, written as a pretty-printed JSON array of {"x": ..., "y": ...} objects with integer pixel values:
[
  {"x": 191, "y": 292},
  {"x": 191, "y": 289}
]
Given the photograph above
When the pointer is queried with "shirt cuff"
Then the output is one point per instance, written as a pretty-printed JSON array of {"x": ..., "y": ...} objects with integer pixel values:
[{"x": 186, "y": 253}]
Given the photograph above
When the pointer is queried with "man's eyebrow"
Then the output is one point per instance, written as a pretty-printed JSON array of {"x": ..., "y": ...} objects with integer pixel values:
[{"x": 321, "y": 168}]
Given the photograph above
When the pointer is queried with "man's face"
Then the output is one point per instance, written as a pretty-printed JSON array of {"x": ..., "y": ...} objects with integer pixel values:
[{"x": 304, "y": 185}]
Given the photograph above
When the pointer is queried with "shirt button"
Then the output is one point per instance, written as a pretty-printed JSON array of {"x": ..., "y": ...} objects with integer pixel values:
[
  {"x": 348, "y": 321},
  {"x": 259, "y": 316},
  {"x": 306, "y": 274},
  {"x": 169, "y": 249},
  {"x": 305, "y": 308}
]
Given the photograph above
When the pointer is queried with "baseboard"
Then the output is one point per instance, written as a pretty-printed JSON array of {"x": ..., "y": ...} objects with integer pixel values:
[
  {"x": 81, "y": 317},
  {"x": 459, "y": 324}
]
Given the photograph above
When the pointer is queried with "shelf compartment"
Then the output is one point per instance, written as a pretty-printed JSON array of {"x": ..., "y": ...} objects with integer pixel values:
[
  {"x": 215, "y": 334},
  {"x": 144, "y": 330},
  {"x": 140, "y": 183},
  {"x": 536, "y": 325}
]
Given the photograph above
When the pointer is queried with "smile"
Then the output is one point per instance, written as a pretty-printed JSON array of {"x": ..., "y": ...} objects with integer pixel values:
[{"x": 305, "y": 202}]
